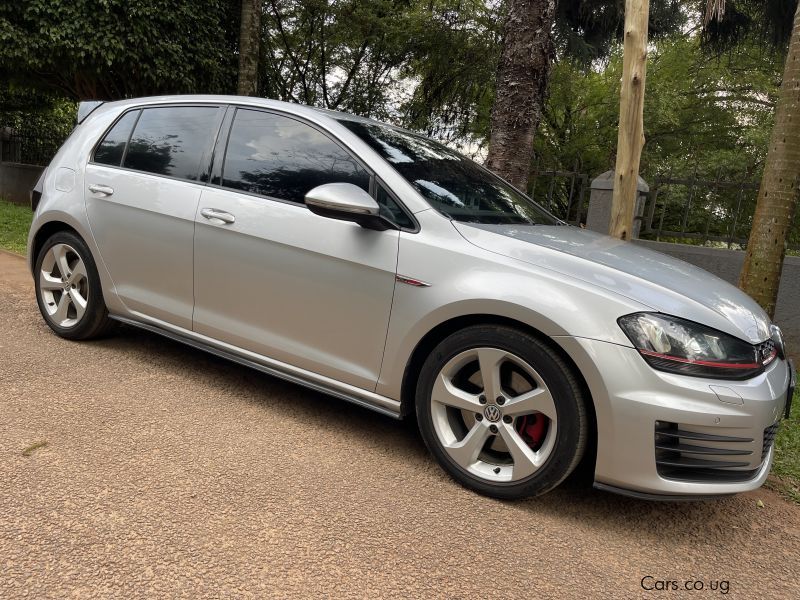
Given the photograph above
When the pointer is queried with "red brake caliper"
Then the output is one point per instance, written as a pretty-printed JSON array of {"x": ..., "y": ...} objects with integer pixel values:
[{"x": 532, "y": 429}]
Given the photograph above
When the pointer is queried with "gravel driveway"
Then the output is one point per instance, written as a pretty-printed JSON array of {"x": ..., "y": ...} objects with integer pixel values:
[{"x": 170, "y": 473}]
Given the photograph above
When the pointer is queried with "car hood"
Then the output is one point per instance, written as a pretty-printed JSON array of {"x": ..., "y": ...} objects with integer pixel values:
[{"x": 658, "y": 281}]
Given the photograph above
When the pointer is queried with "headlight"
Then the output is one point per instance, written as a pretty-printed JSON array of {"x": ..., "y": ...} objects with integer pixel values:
[
  {"x": 777, "y": 336},
  {"x": 680, "y": 346}
]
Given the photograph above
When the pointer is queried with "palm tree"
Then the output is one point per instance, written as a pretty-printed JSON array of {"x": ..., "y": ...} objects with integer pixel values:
[
  {"x": 780, "y": 185},
  {"x": 715, "y": 10},
  {"x": 522, "y": 77},
  {"x": 249, "y": 47}
]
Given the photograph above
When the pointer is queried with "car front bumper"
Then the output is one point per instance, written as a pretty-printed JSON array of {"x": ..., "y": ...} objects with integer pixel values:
[{"x": 666, "y": 435}]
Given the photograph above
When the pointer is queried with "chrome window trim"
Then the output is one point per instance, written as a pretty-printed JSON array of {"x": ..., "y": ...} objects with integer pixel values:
[{"x": 137, "y": 172}]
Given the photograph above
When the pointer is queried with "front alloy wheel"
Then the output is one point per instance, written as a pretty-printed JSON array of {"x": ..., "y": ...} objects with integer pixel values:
[{"x": 501, "y": 411}]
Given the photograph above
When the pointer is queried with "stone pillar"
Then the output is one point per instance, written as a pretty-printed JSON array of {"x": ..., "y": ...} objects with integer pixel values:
[{"x": 598, "y": 218}]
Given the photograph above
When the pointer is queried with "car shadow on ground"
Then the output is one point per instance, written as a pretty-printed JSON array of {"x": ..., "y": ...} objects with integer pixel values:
[{"x": 574, "y": 500}]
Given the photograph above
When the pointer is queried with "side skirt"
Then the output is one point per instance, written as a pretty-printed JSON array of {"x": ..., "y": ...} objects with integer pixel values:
[
  {"x": 657, "y": 497},
  {"x": 319, "y": 383}
]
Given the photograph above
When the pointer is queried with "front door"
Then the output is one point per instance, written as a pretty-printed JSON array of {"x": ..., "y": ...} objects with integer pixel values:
[{"x": 275, "y": 279}]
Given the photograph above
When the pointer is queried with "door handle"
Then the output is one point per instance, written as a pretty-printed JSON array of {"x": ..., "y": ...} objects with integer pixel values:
[
  {"x": 101, "y": 189},
  {"x": 221, "y": 215}
]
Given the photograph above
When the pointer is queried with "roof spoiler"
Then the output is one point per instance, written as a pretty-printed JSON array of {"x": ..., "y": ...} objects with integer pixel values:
[{"x": 86, "y": 108}]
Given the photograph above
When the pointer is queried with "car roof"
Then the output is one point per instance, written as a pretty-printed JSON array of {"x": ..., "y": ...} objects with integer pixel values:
[
  {"x": 292, "y": 107},
  {"x": 299, "y": 109}
]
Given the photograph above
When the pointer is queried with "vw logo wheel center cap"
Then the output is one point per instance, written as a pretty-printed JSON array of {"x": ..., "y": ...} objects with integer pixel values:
[{"x": 492, "y": 413}]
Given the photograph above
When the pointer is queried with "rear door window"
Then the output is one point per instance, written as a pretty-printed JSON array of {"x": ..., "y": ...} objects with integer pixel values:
[
  {"x": 112, "y": 148},
  {"x": 276, "y": 156},
  {"x": 172, "y": 140}
]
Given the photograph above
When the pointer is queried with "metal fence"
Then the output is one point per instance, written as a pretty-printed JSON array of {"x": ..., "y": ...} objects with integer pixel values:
[
  {"x": 564, "y": 193},
  {"x": 707, "y": 211},
  {"x": 703, "y": 211},
  {"x": 27, "y": 149}
]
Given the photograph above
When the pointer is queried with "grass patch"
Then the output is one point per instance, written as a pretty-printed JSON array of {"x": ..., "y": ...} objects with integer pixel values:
[
  {"x": 15, "y": 221},
  {"x": 34, "y": 447},
  {"x": 786, "y": 467}
]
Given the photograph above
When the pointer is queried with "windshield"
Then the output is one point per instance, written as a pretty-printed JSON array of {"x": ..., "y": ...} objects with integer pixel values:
[{"x": 451, "y": 183}]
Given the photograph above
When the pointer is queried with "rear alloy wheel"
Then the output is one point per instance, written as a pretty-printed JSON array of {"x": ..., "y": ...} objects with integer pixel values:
[
  {"x": 501, "y": 412},
  {"x": 68, "y": 288}
]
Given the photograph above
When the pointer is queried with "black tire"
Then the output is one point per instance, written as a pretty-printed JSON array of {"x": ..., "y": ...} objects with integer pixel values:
[
  {"x": 94, "y": 322},
  {"x": 571, "y": 433}
]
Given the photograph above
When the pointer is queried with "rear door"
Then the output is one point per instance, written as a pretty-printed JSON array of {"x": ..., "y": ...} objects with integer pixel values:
[
  {"x": 143, "y": 186},
  {"x": 274, "y": 278}
]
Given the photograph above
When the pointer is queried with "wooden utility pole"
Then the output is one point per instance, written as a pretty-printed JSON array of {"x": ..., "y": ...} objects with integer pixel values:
[{"x": 631, "y": 119}]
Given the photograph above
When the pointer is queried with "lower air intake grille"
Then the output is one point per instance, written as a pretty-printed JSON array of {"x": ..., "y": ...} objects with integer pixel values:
[
  {"x": 685, "y": 455},
  {"x": 769, "y": 437}
]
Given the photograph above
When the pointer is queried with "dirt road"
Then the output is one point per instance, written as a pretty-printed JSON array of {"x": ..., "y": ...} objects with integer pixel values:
[{"x": 170, "y": 473}]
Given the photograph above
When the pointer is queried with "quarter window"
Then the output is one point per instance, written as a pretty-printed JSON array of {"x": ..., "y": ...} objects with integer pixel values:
[
  {"x": 111, "y": 150},
  {"x": 172, "y": 140},
  {"x": 391, "y": 209},
  {"x": 283, "y": 158}
]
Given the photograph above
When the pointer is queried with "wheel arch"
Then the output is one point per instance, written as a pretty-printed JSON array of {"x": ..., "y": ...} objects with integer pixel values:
[
  {"x": 43, "y": 234},
  {"x": 433, "y": 337}
]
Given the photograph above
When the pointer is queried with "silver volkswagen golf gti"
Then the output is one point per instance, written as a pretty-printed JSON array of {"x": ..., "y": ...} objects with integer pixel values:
[{"x": 380, "y": 267}]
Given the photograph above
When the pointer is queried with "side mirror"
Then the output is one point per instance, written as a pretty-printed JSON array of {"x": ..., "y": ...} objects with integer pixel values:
[{"x": 347, "y": 202}]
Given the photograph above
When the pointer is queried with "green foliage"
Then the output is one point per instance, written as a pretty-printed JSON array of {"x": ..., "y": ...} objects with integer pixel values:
[
  {"x": 588, "y": 29},
  {"x": 710, "y": 116},
  {"x": 429, "y": 65},
  {"x": 704, "y": 116},
  {"x": 32, "y": 112},
  {"x": 457, "y": 46},
  {"x": 339, "y": 55},
  {"x": 108, "y": 49},
  {"x": 39, "y": 120},
  {"x": 701, "y": 114},
  {"x": 747, "y": 21}
]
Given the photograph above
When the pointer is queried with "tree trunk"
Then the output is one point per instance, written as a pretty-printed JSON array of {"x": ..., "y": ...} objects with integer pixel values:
[
  {"x": 521, "y": 86},
  {"x": 249, "y": 47},
  {"x": 630, "y": 139},
  {"x": 778, "y": 196}
]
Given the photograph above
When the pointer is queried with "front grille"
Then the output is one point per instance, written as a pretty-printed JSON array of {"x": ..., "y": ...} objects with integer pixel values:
[
  {"x": 769, "y": 437},
  {"x": 685, "y": 455}
]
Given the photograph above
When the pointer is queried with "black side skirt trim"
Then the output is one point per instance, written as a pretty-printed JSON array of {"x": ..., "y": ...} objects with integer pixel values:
[
  {"x": 657, "y": 497},
  {"x": 259, "y": 367}
]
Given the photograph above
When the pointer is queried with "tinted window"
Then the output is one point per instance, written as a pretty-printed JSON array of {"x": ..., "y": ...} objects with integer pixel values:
[
  {"x": 451, "y": 183},
  {"x": 283, "y": 158},
  {"x": 391, "y": 210},
  {"x": 171, "y": 141},
  {"x": 111, "y": 149}
]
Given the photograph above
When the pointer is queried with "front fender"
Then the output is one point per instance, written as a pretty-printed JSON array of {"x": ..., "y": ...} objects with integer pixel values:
[{"x": 465, "y": 280}]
